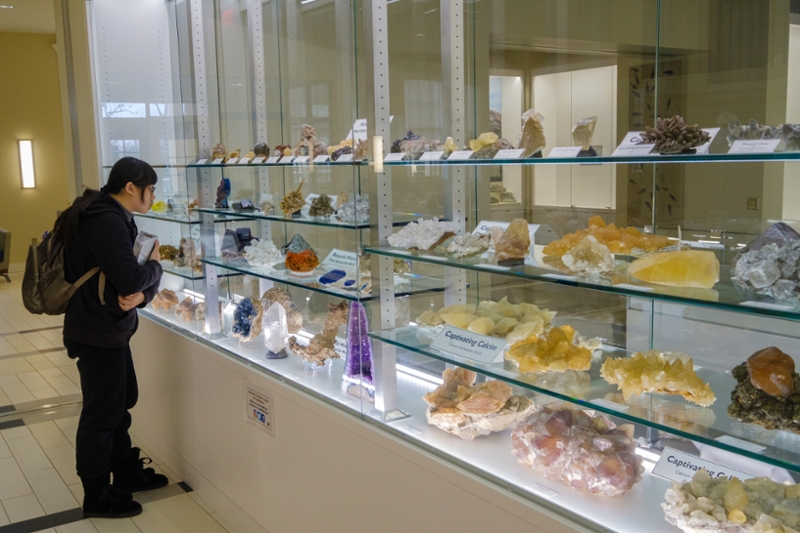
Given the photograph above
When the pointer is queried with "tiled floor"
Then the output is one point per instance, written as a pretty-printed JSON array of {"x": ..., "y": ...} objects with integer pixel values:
[{"x": 37, "y": 455}]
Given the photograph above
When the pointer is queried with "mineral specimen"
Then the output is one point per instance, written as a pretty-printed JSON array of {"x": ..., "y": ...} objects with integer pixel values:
[
  {"x": 282, "y": 150},
  {"x": 466, "y": 410},
  {"x": 769, "y": 264},
  {"x": 320, "y": 347},
  {"x": 308, "y": 144},
  {"x": 514, "y": 244},
  {"x": 410, "y": 136},
  {"x": 727, "y": 505},
  {"x": 360, "y": 151},
  {"x": 300, "y": 258},
  {"x": 619, "y": 241},
  {"x": 347, "y": 143},
  {"x": 234, "y": 154},
  {"x": 188, "y": 256},
  {"x": 683, "y": 268},
  {"x": 166, "y": 299},
  {"x": 358, "y": 367},
  {"x": 449, "y": 147},
  {"x": 414, "y": 145},
  {"x": 219, "y": 152},
  {"x": 265, "y": 204},
  {"x": 582, "y": 133},
  {"x": 355, "y": 209},
  {"x": 554, "y": 351},
  {"x": 339, "y": 152},
  {"x": 401, "y": 266},
  {"x": 673, "y": 136},
  {"x": 249, "y": 156},
  {"x": 341, "y": 198},
  {"x": 469, "y": 245},
  {"x": 159, "y": 207},
  {"x": 186, "y": 309},
  {"x": 483, "y": 140},
  {"x": 261, "y": 150},
  {"x": 772, "y": 371},
  {"x": 488, "y": 152},
  {"x": 423, "y": 234},
  {"x": 583, "y": 449},
  {"x": 293, "y": 201},
  {"x": 262, "y": 254},
  {"x": 275, "y": 331},
  {"x": 752, "y": 131},
  {"x": 293, "y": 316},
  {"x": 247, "y": 319},
  {"x": 168, "y": 252},
  {"x": 754, "y": 406},
  {"x": 658, "y": 372},
  {"x": 223, "y": 192},
  {"x": 589, "y": 257},
  {"x": 532, "y": 137},
  {"x": 321, "y": 206},
  {"x": 790, "y": 134}
]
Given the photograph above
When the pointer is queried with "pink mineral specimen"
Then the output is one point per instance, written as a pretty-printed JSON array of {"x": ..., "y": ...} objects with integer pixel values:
[{"x": 585, "y": 451}]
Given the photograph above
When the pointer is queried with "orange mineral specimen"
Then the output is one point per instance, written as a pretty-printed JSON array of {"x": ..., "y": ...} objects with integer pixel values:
[
  {"x": 684, "y": 268},
  {"x": 304, "y": 261},
  {"x": 772, "y": 371},
  {"x": 618, "y": 240},
  {"x": 514, "y": 243}
]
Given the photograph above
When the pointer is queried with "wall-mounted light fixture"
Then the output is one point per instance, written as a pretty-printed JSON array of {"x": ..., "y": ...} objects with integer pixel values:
[{"x": 26, "y": 164}]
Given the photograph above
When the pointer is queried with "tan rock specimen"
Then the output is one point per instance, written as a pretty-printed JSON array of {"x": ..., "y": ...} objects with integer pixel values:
[
  {"x": 532, "y": 139},
  {"x": 466, "y": 410},
  {"x": 321, "y": 206},
  {"x": 234, "y": 154},
  {"x": 320, "y": 347},
  {"x": 166, "y": 299},
  {"x": 583, "y": 131},
  {"x": 772, "y": 371},
  {"x": 683, "y": 268},
  {"x": 657, "y": 372},
  {"x": 294, "y": 318},
  {"x": 186, "y": 310},
  {"x": 672, "y": 135},
  {"x": 219, "y": 152},
  {"x": 515, "y": 242},
  {"x": 589, "y": 257},
  {"x": 308, "y": 144},
  {"x": 341, "y": 199},
  {"x": 554, "y": 351},
  {"x": 293, "y": 201},
  {"x": 249, "y": 156},
  {"x": 483, "y": 140},
  {"x": 360, "y": 151}
]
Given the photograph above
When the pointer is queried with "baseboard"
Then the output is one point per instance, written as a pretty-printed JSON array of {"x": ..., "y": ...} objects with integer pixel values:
[{"x": 218, "y": 500}]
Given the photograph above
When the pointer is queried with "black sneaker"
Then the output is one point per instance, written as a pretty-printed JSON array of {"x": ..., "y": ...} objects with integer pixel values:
[
  {"x": 101, "y": 500},
  {"x": 131, "y": 475}
]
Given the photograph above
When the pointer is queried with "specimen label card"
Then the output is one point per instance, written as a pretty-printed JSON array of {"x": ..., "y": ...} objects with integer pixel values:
[
  {"x": 258, "y": 160},
  {"x": 767, "y": 305},
  {"x": 201, "y": 161},
  {"x": 258, "y": 408},
  {"x": 340, "y": 346},
  {"x": 344, "y": 158},
  {"x": 703, "y": 148},
  {"x": 608, "y": 404},
  {"x": 341, "y": 259},
  {"x": 681, "y": 467},
  {"x": 509, "y": 154},
  {"x": 321, "y": 159},
  {"x": 272, "y": 160},
  {"x": 432, "y": 156},
  {"x": 300, "y": 159},
  {"x": 761, "y": 146},
  {"x": 630, "y": 146},
  {"x": 244, "y": 161},
  {"x": 394, "y": 157},
  {"x": 232, "y": 161},
  {"x": 739, "y": 443},
  {"x": 216, "y": 162},
  {"x": 565, "y": 151},
  {"x": 460, "y": 155},
  {"x": 469, "y": 345},
  {"x": 287, "y": 159}
]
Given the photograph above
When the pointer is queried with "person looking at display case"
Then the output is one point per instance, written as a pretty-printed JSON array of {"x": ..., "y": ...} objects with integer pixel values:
[{"x": 98, "y": 231}]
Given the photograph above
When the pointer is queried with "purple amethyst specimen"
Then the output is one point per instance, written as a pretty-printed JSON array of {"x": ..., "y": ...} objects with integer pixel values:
[
  {"x": 358, "y": 367},
  {"x": 223, "y": 192}
]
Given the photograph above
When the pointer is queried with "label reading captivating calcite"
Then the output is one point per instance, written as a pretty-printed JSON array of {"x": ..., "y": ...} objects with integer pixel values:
[
  {"x": 469, "y": 345},
  {"x": 681, "y": 467}
]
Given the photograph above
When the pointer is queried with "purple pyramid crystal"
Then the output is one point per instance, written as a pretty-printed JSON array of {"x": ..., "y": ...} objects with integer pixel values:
[{"x": 358, "y": 367}]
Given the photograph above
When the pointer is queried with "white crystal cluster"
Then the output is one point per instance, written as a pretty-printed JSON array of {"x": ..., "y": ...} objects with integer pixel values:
[
  {"x": 469, "y": 245},
  {"x": 589, "y": 257},
  {"x": 423, "y": 234},
  {"x": 262, "y": 254},
  {"x": 757, "y": 505},
  {"x": 771, "y": 270},
  {"x": 355, "y": 209}
]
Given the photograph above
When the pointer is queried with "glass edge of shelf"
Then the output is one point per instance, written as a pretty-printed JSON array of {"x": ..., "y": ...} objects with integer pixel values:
[
  {"x": 150, "y": 216},
  {"x": 281, "y": 165},
  {"x": 274, "y": 218},
  {"x": 588, "y": 404},
  {"x": 736, "y": 307},
  {"x": 600, "y": 160}
]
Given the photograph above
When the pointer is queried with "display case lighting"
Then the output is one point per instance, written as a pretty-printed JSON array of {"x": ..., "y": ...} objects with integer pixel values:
[
  {"x": 6, "y": 7},
  {"x": 26, "y": 164}
]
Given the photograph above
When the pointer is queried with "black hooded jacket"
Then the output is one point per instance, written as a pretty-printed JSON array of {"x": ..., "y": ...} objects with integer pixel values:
[{"x": 105, "y": 237}]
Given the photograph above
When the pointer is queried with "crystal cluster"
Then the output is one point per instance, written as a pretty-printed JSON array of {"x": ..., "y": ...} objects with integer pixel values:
[
  {"x": 358, "y": 368},
  {"x": 619, "y": 241},
  {"x": 483, "y": 140},
  {"x": 275, "y": 331},
  {"x": 532, "y": 138},
  {"x": 554, "y": 351},
  {"x": 658, "y": 372},
  {"x": 584, "y": 450},
  {"x": 673, "y": 136},
  {"x": 469, "y": 245},
  {"x": 414, "y": 145},
  {"x": 767, "y": 391},
  {"x": 460, "y": 407},
  {"x": 166, "y": 300},
  {"x": 489, "y": 151},
  {"x": 321, "y": 206},
  {"x": 168, "y": 252},
  {"x": 223, "y": 192},
  {"x": 265, "y": 204},
  {"x": 788, "y": 133},
  {"x": 582, "y": 133},
  {"x": 423, "y": 234},
  {"x": 262, "y": 254},
  {"x": 589, "y": 257},
  {"x": 186, "y": 310},
  {"x": 513, "y": 322},
  {"x": 219, "y": 152},
  {"x": 188, "y": 257},
  {"x": 450, "y": 146},
  {"x": 513, "y": 246},
  {"x": 401, "y": 266},
  {"x": 354, "y": 209},
  {"x": 294, "y": 201},
  {"x": 293, "y": 317},
  {"x": 683, "y": 268},
  {"x": 675, "y": 414},
  {"x": 728, "y": 505},
  {"x": 300, "y": 258},
  {"x": 308, "y": 144},
  {"x": 282, "y": 150},
  {"x": 320, "y": 347},
  {"x": 770, "y": 265},
  {"x": 247, "y": 319}
]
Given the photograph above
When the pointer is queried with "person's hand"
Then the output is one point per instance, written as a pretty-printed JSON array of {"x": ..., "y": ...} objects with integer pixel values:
[
  {"x": 155, "y": 255},
  {"x": 126, "y": 303}
]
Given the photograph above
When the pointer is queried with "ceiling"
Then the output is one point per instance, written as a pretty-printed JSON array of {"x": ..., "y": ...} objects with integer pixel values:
[{"x": 28, "y": 16}]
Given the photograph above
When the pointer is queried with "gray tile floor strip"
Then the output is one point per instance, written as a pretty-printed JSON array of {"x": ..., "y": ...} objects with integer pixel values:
[
  {"x": 8, "y": 424},
  {"x": 7, "y": 409},
  {"x": 43, "y": 410},
  {"x": 30, "y": 331},
  {"x": 13, "y": 355},
  {"x": 50, "y": 350},
  {"x": 44, "y": 522}
]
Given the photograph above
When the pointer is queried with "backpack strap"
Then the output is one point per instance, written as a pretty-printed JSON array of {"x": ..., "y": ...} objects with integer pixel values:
[
  {"x": 101, "y": 288},
  {"x": 101, "y": 282}
]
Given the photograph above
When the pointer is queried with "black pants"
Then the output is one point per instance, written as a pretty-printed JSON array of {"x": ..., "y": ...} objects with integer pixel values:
[{"x": 108, "y": 384}]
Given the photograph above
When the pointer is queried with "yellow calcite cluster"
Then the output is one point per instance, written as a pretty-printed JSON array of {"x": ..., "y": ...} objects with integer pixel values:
[
  {"x": 684, "y": 268},
  {"x": 514, "y": 322},
  {"x": 483, "y": 140},
  {"x": 554, "y": 351},
  {"x": 658, "y": 372},
  {"x": 618, "y": 240}
]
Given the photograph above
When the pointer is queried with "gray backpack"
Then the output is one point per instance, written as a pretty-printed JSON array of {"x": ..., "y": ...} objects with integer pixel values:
[{"x": 44, "y": 289}]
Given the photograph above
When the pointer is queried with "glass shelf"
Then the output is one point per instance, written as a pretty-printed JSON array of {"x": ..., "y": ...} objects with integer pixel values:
[
  {"x": 188, "y": 273},
  {"x": 279, "y": 164},
  {"x": 416, "y": 284},
  {"x": 664, "y": 412},
  {"x": 330, "y": 222},
  {"x": 725, "y": 295},
  {"x": 169, "y": 217}
]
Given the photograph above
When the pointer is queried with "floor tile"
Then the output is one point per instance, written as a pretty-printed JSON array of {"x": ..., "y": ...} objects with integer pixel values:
[
  {"x": 179, "y": 514},
  {"x": 18, "y": 393},
  {"x": 22, "y": 508},
  {"x": 3, "y": 517},
  {"x": 33, "y": 380},
  {"x": 43, "y": 365},
  {"x": 15, "y": 365},
  {"x": 63, "y": 385},
  {"x": 5, "y": 451},
  {"x": 82, "y": 526},
  {"x": 60, "y": 359},
  {"x": 15, "y": 433},
  {"x": 68, "y": 422},
  {"x": 6, "y": 348},
  {"x": 51, "y": 491},
  {"x": 77, "y": 491},
  {"x": 63, "y": 459},
  {"x": 51, "y": 373},
  {"x": 35, "y": 358},
  {"x": 43, "y": 394},
  {"x": 221, "y": 521},
  {"x": 124, "y": 525},
  {"x": 9, "y": 379},
  {"x": 48, "y": 435},
  {"x": 201, "y": 502},
  {"x": 14, "y": 483},
  {"x": 48, "y": 530},
  {"x": 29, "y": 454},
  {"x": 71, "y": 371}
]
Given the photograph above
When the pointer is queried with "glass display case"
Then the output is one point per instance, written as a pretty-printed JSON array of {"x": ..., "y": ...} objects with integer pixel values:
[{"x": 550, "y": 242}]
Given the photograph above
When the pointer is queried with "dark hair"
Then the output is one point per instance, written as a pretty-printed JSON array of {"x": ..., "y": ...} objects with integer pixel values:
[{"x": 126, "y": 170}]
